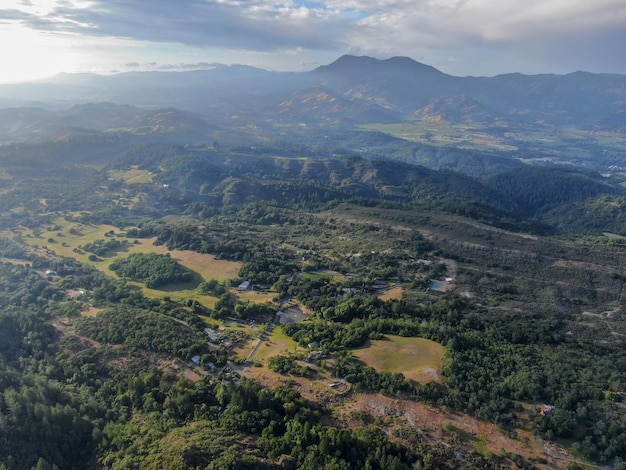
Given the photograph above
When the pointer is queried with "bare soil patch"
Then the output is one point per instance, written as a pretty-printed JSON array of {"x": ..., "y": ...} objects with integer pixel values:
[
  {"x": 435, "y": 423},
  {"x": 181, "y": 370}
]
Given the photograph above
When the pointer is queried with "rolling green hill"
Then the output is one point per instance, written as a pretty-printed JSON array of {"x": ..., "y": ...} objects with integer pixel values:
[{"x": 370, "y": 265}]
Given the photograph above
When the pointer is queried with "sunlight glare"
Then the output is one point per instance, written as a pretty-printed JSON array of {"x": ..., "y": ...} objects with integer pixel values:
[{"x": 31, "y": 55}]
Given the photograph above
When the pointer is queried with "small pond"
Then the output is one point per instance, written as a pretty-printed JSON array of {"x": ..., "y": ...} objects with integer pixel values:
[{"x": 437, "y": 285}]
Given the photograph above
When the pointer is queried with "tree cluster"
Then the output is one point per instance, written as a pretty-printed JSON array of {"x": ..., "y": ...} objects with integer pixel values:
[{"x": 153, "y": 269}]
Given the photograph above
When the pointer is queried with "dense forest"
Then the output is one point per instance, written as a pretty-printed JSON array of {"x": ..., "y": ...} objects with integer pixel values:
[{"x": 115, "y": 355}]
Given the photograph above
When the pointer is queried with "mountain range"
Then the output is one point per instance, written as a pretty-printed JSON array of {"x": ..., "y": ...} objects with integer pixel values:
[
  {"x": 579, "y": 116},
  {"x": 397, "y": 87}
]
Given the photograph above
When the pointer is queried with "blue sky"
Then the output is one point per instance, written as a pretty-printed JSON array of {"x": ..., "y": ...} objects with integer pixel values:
[{"x": 39, "y": 38}]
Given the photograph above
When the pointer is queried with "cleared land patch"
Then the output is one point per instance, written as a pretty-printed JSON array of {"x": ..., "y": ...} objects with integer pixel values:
[
  {"x": 257, "y": 297},
  {"x": 393, "y": 293},
  {"x": 418, "y": 359},
  {"x": 277, "y": 343},
  {"x": 204, "y": 264},
  {"x": 66, "y": 239},
  {"x": 132, "y": 175}
]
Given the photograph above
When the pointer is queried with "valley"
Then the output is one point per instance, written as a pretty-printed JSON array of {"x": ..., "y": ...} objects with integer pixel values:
[
  {"x": 345, "y": 274},
  {"x": 356, "y": 240}
]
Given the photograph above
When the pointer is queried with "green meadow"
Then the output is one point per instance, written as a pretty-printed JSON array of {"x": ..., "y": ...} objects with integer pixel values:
[
  {"x": 418, "y": 359},
  {"x": 66, "y": 239}
]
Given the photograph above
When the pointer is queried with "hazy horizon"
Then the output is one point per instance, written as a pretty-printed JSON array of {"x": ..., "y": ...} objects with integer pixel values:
[{"x": 41, "y": 38}]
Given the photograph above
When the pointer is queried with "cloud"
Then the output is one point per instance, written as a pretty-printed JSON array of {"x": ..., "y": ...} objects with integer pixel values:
[
  {"x": 250, "y": 25},
  {"x": 418, "y": 28},
  {"x": 445, "y": 23},
  {"x": 535, "y": 35},
  {"x": 269, "y": 25},
  {"x": 182, "y": 67}
]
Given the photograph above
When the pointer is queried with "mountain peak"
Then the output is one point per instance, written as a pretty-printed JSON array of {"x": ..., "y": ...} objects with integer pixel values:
[{"x": 364, "y": 64}]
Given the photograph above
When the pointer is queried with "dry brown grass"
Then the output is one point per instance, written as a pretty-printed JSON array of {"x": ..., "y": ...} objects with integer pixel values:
[
  {"x": 395, "y": 293},
  {"x": 133, "y": 175},
  {"x": 418, "y": 359},
  {"x": 433, "y": 421},
  {"x": 257, "y": 297},
  {"x": 204, "y": 264}
]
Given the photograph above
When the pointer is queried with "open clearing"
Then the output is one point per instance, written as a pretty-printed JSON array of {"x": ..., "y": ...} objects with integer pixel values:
[
  {"x": 418, "y": 359},
  {"x": 257, "y": 297},
  {"x": 133, "y": 175},
  {"x": 65, "y": 239},
  {"x": 433, "y": 422},
  {"x": 390, "y": 294},
  {"x": 277, "y": 343},
  {"x": 205, "y": 265},
  {"x": 70, "y": 235}
]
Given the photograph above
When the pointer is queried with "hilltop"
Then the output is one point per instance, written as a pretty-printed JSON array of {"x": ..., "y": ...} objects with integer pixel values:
[{"x": 574, "y": 118}]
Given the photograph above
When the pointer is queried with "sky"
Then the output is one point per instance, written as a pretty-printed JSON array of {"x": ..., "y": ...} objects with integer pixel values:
[{"x": 39, "y": 38}]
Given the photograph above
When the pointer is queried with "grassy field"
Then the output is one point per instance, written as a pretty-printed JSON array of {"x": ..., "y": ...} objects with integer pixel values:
[
  {"x": 64, "y": 242},
  {"x": 277, "y": 343},
  {"x": 257, "y": 297},
  {"x": 393, "y": 293},
  {"x": 418, "y": 359},
  {"x": 134, "y": 175},
  {"x": 444, "y": 134},
  {"x": 64, "y": 238}
]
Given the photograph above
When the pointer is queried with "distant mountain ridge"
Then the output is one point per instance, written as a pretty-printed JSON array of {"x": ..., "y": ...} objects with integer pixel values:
[
  {"x": 359, "y": 65},
  {"x": 398, "y": 85},
  {"x": 241, "y": 103}
]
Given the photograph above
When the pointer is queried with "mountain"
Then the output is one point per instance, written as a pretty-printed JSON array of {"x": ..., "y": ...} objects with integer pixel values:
[
  {"x": 146, "y": 89},
  {"x": 333, "y": 107},
  {"x": 533, "y": 191},
  {"x": 398, "y": 85},
  {"x": 576, "y": 98},
  {"x": 457, "y": 110},
  {"x": 539, "y": 118},
  {"x": 26, "y": 123},
  {"x": 350, "y": 176}
]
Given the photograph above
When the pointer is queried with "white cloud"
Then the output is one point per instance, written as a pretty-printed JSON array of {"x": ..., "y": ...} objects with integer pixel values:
[
  {"x": 442, "y": 23},
  {"x": 308, "y": 30},
  {"x": 253, "y": 25},
  {"x": 273, "y": 25}
]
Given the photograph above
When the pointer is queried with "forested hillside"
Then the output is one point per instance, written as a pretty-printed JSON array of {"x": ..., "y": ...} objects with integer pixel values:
[
  {"x": 370, "y": 265},
  {"x": 254, "y": 306},
  {"x": 395, "y": 109}
]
